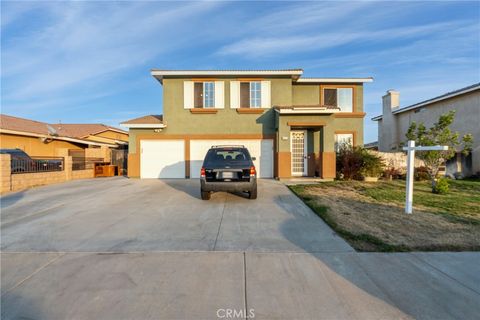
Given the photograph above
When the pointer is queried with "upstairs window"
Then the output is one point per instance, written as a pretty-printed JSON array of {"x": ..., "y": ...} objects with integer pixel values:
[
  {"x": 339, "y": 97},
  {"x": 204, "y": 95},
  {"x": 250, "y": 94}
]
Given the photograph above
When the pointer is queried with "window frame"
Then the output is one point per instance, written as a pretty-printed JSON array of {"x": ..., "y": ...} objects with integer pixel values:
[
  {"x": 254, "y": 94},
  {"x": 337, "y": 133},
  {"x": 322, "y": 96},
  {"x": 212, "y": 98}
]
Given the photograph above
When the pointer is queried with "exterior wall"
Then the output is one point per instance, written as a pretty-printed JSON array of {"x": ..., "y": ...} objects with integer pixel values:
[
  {"x": 306, "y": 94},
  {"x": 112, "y": 135},
  {"x": 228, "y": 123},
  {"x": 322, "y": 130},
  {"x": 34, "y": 146},
  {"x": 467, "y": 118}
]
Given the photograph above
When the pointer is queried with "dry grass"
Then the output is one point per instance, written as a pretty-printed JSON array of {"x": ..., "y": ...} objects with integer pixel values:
[{"x": 371, "y": 216}]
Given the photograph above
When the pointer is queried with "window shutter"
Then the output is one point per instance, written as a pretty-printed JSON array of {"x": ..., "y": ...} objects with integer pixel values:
[
  {"x": 188, "y": 94},
  {"x": 234, "y": 94},
  {"x": 219, "y": 95},
  {"x": 266, "y": 94}
]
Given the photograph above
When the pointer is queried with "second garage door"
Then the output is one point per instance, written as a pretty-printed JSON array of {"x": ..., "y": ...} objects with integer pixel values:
[
  {"x": 162, "y": 159},
  {"x": 262, "y": 150}
]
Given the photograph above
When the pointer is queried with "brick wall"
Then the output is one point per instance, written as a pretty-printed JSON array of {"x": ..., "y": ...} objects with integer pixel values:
[
  {"x": 21, "y": 181},
  {"x": 82, "y": 174}
]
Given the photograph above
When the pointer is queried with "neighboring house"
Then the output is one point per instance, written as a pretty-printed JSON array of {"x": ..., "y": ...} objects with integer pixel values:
[
  {"x": 395, "y": 121},
  {"x": 42, "y": 139},
  {"x": 290, "y": 124}
]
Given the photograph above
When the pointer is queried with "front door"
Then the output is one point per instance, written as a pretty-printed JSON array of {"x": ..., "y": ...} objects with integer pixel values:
[{"x": 298, "y": 147}]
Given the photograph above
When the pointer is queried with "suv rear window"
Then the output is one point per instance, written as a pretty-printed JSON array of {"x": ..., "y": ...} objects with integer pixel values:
[{"x": 219, "y": 157}]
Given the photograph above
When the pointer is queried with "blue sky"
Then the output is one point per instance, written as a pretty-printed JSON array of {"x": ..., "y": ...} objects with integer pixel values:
[{"x": 89, "y": 61}]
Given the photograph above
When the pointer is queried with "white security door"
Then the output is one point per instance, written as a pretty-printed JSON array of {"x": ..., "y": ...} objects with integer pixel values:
[
  {"x": 298, "y": 146},
  {"x": 162, "y": 159},
  {"x": 262, "y": 150}
]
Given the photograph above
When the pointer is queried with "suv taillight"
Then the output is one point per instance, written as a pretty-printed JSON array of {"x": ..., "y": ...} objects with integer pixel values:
[
  {"x": 253, "y": 172},
  {"x": 202, "y": 172}
]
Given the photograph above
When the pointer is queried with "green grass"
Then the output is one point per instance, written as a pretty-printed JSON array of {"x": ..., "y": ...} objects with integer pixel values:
[{"x": 462, "y": 201}]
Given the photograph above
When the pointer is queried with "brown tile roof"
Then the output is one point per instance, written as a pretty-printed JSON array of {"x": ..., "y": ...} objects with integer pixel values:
[
  {"x": 150, "y": 119},
  {"x": 20, "y": 124},
  {"x": 81, "y": 130},
  {"x": 65, "y": 130}
]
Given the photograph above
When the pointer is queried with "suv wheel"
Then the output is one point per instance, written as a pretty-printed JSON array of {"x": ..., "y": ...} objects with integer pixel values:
[
  {"x": 253, "y": 193},
  {"x": 205, "y": 195}
]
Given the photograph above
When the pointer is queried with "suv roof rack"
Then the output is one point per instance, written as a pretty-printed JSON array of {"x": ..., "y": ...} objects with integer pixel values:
[{"x": 229, "y": 146}]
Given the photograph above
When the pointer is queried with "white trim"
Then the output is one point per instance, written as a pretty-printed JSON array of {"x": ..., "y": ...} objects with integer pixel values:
[
  {"x": 143, "y": 125},
  {"x": 37, "y": 135},
  {"x": 335, "y": 80},
  {"x": 307, "y": 111},
  {"x": 224, "y": 72},
  {"x": 448, "y": 96}
]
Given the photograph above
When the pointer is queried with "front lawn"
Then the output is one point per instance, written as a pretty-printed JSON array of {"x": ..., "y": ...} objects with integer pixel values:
[{"x": 370, "y": 216}]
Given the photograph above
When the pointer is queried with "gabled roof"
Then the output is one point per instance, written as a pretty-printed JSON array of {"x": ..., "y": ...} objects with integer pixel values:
[
  {"x": 442, "y": 97},
  {"x": 81, "y": 130},
  {"x": 75, "y": 131},
  {"x": 20, "y": 124},
  {"x": 149, "y": 121}
]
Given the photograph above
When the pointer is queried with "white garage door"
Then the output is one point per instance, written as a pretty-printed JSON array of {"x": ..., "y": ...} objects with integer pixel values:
[
  {"x": 162, "y": 159},
  {"x": 262, "y": 150}
]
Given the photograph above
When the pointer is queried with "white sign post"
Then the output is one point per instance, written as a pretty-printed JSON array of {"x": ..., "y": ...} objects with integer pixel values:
[{"x": 410, "y": 166}]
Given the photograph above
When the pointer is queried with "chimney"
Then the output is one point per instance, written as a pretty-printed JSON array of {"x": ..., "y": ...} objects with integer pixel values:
[{"x": 391, "y": 101}]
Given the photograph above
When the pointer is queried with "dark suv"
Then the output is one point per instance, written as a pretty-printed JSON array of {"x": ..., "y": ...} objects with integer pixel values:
[{"x": 228, "y": 168}]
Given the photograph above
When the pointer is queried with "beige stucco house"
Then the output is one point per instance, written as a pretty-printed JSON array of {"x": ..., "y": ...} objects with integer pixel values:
[
  {"x": 395, "y": 121},
  {"x": 290, "y": 124}
]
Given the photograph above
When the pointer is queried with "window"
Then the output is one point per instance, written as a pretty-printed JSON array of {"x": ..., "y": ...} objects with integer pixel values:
[
  {"x": 204, "y": 95},
  {"x": 343, "y": 139},
  {"x": 250, "y": 94},
  {"x": 339, "y": 97}
]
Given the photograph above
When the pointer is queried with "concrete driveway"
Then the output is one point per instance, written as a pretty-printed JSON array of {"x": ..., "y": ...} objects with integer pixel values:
[{"x": 147, "y": 249}]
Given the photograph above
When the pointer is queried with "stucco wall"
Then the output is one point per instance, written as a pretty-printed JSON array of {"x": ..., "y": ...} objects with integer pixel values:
[
  {"x": 467, "y": 119},
  {"x": 34, "y": 146}
]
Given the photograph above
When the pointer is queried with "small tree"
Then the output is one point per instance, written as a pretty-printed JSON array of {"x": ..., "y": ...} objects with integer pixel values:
[{"x": 439, "y": 134}]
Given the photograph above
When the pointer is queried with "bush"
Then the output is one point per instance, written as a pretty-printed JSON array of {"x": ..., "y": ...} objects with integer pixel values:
[
  {"x": 356, "y": 163},
  {"x": 441, "y": 186},
  {"x": 421, "y": 174},
  {"x": 393, "y": 173}
]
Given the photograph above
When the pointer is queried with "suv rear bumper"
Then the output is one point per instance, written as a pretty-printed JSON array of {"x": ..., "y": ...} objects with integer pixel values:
[{"x": 233, "y": 186}]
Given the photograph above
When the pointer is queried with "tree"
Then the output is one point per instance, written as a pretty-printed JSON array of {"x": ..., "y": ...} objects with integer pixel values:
[{"x": 439, "y": 134}]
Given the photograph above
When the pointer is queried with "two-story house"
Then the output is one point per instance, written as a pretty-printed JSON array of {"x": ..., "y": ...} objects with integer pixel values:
[
  {"x": 395, "y": 120},
  {"x": 289, "y": 124}
]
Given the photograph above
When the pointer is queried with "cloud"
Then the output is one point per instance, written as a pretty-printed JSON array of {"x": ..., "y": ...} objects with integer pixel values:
[
  {"x": 84, "y": 43},
  {"x": 265, "y": 46}
]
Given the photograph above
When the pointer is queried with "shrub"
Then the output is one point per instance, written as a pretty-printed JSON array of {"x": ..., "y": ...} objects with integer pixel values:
[
  {"x": 440, "y": 186},
  {"x": 392, "y": 173},
  {"x": 421, "y": 174},
  {"x": 357, "y": 162}
]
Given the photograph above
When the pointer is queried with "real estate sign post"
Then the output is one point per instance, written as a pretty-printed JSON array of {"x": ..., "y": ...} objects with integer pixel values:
[{"x": 411, "y": 165}]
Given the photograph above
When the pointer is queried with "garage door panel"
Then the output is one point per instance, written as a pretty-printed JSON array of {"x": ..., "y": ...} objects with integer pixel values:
[
  {"x": 162, "y": 159},
  {"x": 262, "y": 150}
]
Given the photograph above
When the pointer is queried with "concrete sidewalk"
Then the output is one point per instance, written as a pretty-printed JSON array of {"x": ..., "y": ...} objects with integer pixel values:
[{"x": 197, "y": 285}]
